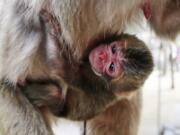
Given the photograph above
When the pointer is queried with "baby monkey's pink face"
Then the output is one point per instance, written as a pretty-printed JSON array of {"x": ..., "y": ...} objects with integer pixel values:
[{"x": 107, "y": 59}]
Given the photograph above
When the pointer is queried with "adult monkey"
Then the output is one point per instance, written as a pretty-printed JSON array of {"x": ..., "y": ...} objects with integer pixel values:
[
  {"x": 81, "y": 23},
  {"x": 22, "y": 37}
]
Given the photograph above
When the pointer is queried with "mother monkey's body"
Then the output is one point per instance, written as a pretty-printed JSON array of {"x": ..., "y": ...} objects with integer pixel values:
[{"x": 22, "y": 37}]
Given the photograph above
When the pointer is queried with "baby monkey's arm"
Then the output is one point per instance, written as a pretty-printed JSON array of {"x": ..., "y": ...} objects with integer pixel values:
[{"x": 45, "y": 94}]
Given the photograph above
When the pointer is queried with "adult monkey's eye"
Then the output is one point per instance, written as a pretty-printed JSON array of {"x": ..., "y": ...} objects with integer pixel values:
[
  {"x": 113, "y": 49},
  {"x": 111, "y": 67}
]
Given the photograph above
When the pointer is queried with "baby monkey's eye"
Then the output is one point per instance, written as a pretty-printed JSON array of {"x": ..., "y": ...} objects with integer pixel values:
[
  {"x": 111, "y": 67},
  {"x": 113, "y": 49}
]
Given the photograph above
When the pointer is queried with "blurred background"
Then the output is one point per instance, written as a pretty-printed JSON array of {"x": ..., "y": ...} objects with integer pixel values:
[{"x": 161, "y": 92}]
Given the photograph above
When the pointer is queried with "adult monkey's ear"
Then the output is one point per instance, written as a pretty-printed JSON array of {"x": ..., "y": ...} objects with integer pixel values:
[{"x": 165, "y": 19}]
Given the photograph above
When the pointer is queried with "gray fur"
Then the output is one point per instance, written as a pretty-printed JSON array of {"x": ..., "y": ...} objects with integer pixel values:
[{"x": 19, "y": 118}]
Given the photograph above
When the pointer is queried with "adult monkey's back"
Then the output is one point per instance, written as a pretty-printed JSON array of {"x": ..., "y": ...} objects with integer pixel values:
[{"x": 21, "y": 38}]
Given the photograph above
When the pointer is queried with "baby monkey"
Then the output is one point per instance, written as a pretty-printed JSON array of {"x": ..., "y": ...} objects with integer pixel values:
[{"x": 113, "y": 67}]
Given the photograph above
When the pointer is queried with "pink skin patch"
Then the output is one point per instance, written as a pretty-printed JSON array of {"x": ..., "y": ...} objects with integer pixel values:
[
  {"x": 107, "y": 59},
  {"x": 147, "y": 10}
]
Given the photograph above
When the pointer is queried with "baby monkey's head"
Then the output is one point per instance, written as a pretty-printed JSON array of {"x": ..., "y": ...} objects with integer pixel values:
[{"x": 126, "y": 62}]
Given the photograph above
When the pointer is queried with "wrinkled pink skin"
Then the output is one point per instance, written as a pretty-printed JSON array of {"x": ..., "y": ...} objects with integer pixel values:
[{"x": 105, "y": 61}]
